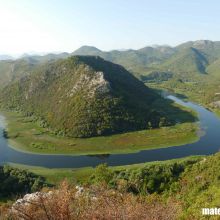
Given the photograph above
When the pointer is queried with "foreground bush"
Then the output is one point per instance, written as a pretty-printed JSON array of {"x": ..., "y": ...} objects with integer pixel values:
[{"x": 66, "y": 203}]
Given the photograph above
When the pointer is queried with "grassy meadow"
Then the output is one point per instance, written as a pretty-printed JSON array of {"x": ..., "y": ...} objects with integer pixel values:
[{"x": 26, "y": 135}]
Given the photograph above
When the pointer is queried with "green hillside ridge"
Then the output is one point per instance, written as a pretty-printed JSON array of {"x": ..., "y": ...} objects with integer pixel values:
[
  {"x": 133, "y": 60},
  {"x": 86, "y": 96},
  {"x": 186, "y": 65},
  {"x": 214, "y": 68},
  {"x": 195, "y": 54},
  {"x": 189, "y": 57},
  {"x": 14, "y": 70},
  {"x": 210, "y": 49},
  {"x": 186, "y": 61}
]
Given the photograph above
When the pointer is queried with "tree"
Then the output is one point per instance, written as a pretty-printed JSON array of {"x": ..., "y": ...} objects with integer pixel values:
[{"x": 103, "y": 174}]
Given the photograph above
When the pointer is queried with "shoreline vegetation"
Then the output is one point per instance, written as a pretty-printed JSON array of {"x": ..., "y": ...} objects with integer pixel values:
[
  {"x": 27, "y": 136},
  {"x": 82, "y": 175},
  {"x": 186, "y": 94}
]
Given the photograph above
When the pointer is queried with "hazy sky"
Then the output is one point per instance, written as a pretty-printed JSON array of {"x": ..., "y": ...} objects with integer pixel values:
[{"x": 65, "y": 25}]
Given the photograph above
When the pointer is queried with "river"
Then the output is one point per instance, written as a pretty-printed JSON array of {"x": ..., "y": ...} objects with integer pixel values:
[{"x": 209, "y": 143}]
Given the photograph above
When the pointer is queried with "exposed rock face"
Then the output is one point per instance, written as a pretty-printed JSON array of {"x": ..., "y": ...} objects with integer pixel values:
[
  {"x": 95, "y": 83},
  {"x": 215, "y": 104},
  {"x": 29, "y": 199},
  {"x": 37, "y": 198}
]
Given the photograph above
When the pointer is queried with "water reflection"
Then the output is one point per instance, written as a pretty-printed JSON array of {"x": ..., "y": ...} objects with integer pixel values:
[
  {"x": 99, "y": 156},
  {"x": 208, "y": 144}
]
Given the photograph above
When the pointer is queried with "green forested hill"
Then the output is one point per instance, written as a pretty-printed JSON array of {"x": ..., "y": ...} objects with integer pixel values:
[
  {"x": 134, "y": 60},
  {"x": 210, "y": 49},
  {"x": 191, "y": 68},
  {"x": 186, "y": 61},
  {"x": 13, "y": 70},
  {"x": 187, "y": 58},
  {"x": 85, "y": 96}
]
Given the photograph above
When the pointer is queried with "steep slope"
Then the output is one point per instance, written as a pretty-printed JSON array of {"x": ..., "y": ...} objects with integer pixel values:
[
  {"x": 210, "y": 49},
  {"x": 195, "y": 71},
  {"x": 84, "y": 96},
  {"x": 188, "y": 60},
  {"x": 87, "y": 50},
  {"x": 13, "y": 70},
  {"x": 214, "y": 68}
]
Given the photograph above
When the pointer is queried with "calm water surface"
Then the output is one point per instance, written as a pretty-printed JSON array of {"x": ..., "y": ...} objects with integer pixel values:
[{"x": 208, "y": 144}]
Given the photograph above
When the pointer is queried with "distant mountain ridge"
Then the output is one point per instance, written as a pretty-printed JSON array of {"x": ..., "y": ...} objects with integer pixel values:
[
  {"x": 133, "y": 60},
  {"x": 191, "y": 68},
  {"x": 185, "y": 60},
  {"x": 6, "y": 57}
]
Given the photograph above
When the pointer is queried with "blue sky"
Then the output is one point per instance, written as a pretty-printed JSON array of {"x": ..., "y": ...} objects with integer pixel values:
[{"x": 65, "y": 25}]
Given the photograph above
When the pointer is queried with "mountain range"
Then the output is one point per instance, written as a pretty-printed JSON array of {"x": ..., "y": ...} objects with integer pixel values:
[
  {"x": 191, "y": 68},
  {"x": 185, "y": 61},
  {"x": 191, "y": 57},
  {"x": 85, "y": 94}
]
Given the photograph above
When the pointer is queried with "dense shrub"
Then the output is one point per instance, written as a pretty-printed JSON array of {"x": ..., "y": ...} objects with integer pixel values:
[
  {"x": 154, "y": 178},
  {"x": 96, "y": 203},
  {"x": 15, "y": 181}
]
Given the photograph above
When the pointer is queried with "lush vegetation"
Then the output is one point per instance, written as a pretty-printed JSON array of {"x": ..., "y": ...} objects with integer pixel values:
[
  {"x": 175, "y": 189},
  {"x": 194, "y": 182},
  {"x": 157, "y": 177},
  {"x": 86, "y": 96},
  {"x": 192, "y": 68},
  {"x": 27, "y": 135},
  {"x": 137, "y": 61},
  {"x": 15, "y": 181},
  {"x": 182, "y": 185},
  {"x": 196, "y": 73},
  {"x": 54, "y": 176}
]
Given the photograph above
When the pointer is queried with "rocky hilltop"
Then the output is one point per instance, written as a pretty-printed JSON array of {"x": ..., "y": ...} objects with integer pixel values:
[{"x": 84, "y": 96}]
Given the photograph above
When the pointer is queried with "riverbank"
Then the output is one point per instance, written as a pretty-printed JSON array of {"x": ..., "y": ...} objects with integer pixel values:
[
  {"x": 82, "y": 175},
  {"x": 27, "y": 136},
  {"x": 189, "y": 92}
]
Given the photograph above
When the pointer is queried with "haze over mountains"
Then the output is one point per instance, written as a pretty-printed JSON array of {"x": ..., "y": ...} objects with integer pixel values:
[
  {"x": 186, "y": 59},
  {"x": 6, "y": 57}
]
